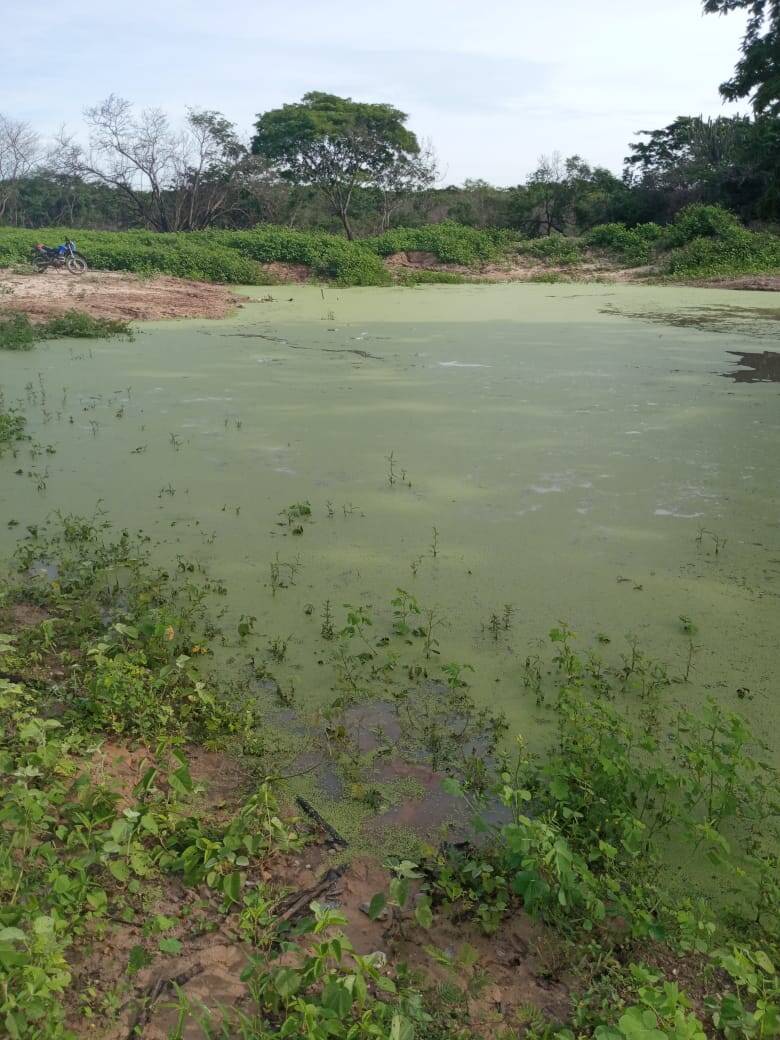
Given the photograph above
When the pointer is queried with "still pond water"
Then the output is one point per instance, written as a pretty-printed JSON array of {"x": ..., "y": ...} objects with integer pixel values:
[{"x": 568, "y": 443}]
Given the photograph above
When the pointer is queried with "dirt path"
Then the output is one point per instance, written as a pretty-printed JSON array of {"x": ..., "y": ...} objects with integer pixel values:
[{"x": 105, "y": 294}]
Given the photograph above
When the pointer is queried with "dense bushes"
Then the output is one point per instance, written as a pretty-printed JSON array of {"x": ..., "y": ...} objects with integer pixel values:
[
  {"x": 633, "y": 246},
  {"x": 703, "y": 240},
  {"x": 741, "y": 252},
  {"x": 554, "y": 249},
  {"x": 700, "y": 221},
  {"x": 451, "y": 243},
  {"x": 17, "y": 332}
]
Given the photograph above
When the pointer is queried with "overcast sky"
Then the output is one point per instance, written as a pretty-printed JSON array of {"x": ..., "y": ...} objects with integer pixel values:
[{"x": 493, "y": 84}]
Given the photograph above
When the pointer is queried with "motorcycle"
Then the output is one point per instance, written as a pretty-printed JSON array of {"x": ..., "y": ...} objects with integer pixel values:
[{"x": 64, "y": 256}]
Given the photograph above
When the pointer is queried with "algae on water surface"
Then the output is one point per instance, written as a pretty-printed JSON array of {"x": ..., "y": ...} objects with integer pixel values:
[{"x": 568, "y": 461}]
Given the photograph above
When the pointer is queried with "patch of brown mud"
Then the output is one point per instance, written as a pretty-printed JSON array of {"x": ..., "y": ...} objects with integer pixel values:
[
  {"x": 518, "y": 269},
  {"x": 119, "y": 768},
  {"x": 500, "y": 976},
  {"x": 429, "y": 812},
  {"x": 208, "y": 967},
  {"x": 511, "y": 959},
  {"x": 209, "y": 979},
  {"x": 292, "y": 274},
  {"x": 417, "y": 260},
  {"x": 755, "y": 368},
  {"x": 25, "y": 615},
  {"x": 105, "y": 294}
]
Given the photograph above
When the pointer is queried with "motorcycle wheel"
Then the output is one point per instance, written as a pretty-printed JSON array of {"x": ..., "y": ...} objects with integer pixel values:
[{"x": 77, "y": 265}]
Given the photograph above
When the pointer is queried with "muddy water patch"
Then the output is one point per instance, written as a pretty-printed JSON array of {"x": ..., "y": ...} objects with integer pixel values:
[
  {"x": 758, "y": 322},
  {"x": 755, "y": 368}
]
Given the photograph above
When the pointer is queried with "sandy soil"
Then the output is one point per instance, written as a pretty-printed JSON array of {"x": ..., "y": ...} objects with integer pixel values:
[
  {"x": 106, "y": 294},
  {"x": 519, "y": 269},
  {"x": 128, "y": 297}
]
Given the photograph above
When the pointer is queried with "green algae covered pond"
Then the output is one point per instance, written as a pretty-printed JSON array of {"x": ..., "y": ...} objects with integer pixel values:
[{"x": 509, "y": 455}]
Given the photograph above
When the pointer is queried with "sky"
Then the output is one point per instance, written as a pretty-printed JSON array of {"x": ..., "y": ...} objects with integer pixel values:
[{"x": 493, "y": 85}]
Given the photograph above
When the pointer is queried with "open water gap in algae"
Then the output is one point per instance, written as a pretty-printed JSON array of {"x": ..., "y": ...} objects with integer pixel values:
[{"x": 444, "y": 474}]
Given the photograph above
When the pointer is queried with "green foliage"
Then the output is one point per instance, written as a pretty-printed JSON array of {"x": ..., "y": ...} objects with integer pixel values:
[
  {"x": 590, "y": 830},
  {"x": 12, "y": 426},
  {"x": 337, "y": 145},
  {"x": 325, "y": 990},
  {"x": 74, "y": 856},
  {"x": 743, "y": 252},
  {"x": 701, "y": 221},
  {"x": 553, "y": 249},
  {"x": 631, "y": 245},
  {"x": 757, "y": 75},
  {"x": 429, "y": 278},
  {"x": 450, "y": 243},
  {"x": 236, "y": 256},
  {"x": 77, "y": 325},
  {"x": 17, "y": 332},
  {"x": 661, "y": 1012},
  {"x": 729, "y": 160}
]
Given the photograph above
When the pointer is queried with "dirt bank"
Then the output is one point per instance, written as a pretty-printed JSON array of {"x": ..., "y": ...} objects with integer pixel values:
[
  {"x": 517, "y": 269},
  {"x": 105, "y": 294},
  {"x": 754, "y": 282}
]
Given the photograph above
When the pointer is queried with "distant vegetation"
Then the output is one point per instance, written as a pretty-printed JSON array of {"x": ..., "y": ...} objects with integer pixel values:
[
  {"x": 703, "y": 241},
  {"x": 336, "y": 185},
  {"x": 17, "y": 332}
]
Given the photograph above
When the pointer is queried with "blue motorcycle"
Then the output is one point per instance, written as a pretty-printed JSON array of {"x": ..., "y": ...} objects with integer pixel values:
[{"x": 61, "y": 256}]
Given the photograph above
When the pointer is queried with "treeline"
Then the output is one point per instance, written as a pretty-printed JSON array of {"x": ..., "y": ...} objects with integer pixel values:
[
  {"x": 729, "y": 161},
  {"x": 327, "y": 163},
  {"x": 702, "y": 242}
]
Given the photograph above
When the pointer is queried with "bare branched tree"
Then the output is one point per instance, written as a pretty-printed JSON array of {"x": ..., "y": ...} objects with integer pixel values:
[
  {"x": 20, "y": 152},
  {"x": 175, "y": 181}
]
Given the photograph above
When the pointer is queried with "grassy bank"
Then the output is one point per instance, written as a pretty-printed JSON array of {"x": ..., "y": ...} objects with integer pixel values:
[
  {"x": 704, "y": 241},
  {"x": 17, "y": 332},
  {"x": 115, "y": 880}
]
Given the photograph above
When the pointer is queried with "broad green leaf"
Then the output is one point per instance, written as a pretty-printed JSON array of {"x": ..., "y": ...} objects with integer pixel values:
[
  {"x": 423, "y": 914},
  {"x": 377, "y": 905}
]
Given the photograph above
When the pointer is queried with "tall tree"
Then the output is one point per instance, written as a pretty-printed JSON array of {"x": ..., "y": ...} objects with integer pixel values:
[
  {"x": 19, "y": 152},
  {"x": 757, "y": 75},
  {"x": 173, "y": 180},
  {"x": 565, "y": 195},
  {"x": 337, "y": 145},
  {"x": 731, "y": 160}
]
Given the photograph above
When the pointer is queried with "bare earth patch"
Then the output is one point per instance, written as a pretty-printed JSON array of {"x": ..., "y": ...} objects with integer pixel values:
[
  {"x": 754, "y": 282},
  {"x": 108, "y": 294},
  {"x": 287, "y": 274},
  {"x": 519, "y": 269}
]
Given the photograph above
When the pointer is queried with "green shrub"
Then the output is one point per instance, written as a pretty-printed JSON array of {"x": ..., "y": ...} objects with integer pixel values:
[
  {"x": 430, "y": 278},
  {"x": 630, "y": 245},
  {"x": 701, "y": 221},
  {"x": 554, "y": 249},
  {"x": 77, "y": 325},
  {"x": 451, "y": 243},
  {"x": 16, "y": 332},
  {"x": 742, "y": 252},
  {"x": 11, "y": 429}
]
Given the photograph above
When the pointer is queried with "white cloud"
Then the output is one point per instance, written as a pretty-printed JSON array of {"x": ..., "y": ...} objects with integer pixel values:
[{"x": 493, "y": 85}]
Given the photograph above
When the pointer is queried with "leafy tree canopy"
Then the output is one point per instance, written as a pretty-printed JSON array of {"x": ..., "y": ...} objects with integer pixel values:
[
  {"x": 757, "y": 75},
  {"x": 335, "y": 144}
]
